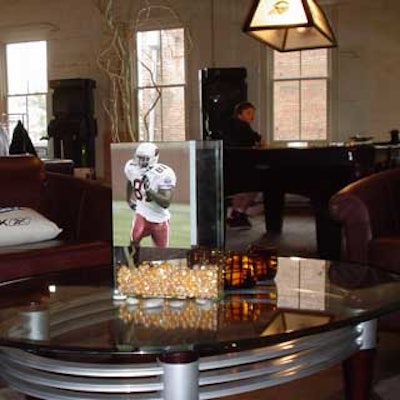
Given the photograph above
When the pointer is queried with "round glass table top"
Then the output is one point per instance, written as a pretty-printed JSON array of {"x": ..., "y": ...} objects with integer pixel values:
[{"x": 74, "y": 313}]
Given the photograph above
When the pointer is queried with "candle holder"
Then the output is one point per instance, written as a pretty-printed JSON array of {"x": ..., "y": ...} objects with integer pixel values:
[
  {"x": 239, "y": 271},
  {"x": 266, "y": 261}
]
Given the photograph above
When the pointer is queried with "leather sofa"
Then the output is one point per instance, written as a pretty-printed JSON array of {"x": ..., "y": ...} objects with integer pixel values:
[
  {"x": 81, "y": 208},
  {"x": 369, "y": 211}
]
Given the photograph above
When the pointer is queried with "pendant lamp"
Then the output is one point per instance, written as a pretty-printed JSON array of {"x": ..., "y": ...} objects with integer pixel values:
[{"x": 288, "y": 25}]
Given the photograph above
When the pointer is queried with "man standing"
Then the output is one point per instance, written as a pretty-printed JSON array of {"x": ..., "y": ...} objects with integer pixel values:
[{"x": 149, "y": 192}]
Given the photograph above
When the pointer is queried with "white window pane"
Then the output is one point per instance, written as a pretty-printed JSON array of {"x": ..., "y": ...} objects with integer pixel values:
[
  {"x": 173, "y": 57},
  {"x": 161, "y": 57},
  {"x": 37, "y": 119},
  {"x": 291, "y": 76},
  {"x": 314, "y": 63},
  {"x": 165, "y": 121},
  {"x": 149, "y": 58},
  {"x": 173, "y": 113},
  {"x": 313, "y": 110},
  {"x": 286, "y": 65},
  {"x": 286, "y": 110},
  {"x": 26, "y": 67},
  {"x": 149, "y": 115},
  {"x": 17, "y": 108},
  {"x": 161, "y": 80},
  {"x": 27, "y": 88}
]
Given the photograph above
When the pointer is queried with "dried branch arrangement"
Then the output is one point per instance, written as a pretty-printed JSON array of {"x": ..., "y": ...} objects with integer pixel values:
[{"x": 123, "y": 19}]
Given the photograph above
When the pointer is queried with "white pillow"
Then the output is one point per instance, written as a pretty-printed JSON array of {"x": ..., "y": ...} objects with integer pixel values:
[{"x": 19, "y": 225}]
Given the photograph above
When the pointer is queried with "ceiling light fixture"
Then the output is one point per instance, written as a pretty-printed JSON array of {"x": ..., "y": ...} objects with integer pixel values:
[{"x": 288, "y": 25}]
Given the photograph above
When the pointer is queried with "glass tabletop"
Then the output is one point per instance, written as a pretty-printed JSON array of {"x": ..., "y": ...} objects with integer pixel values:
[{"x": 73, "y": 313}]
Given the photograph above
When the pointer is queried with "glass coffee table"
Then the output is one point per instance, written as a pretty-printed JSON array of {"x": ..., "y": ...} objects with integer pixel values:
[{"x": 63, "y": 336}]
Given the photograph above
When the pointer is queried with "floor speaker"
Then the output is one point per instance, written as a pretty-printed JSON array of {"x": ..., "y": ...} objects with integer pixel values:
[
  {"x": 72, "y": 97},
  {"x": 73, "y": 127},
  {"x": 220, "y": 90}
]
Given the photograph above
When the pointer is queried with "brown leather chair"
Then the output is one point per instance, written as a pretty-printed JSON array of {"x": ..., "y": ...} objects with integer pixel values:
[
  {"x": 369, "y": 211},
  {"x": 81, "y": 207}
]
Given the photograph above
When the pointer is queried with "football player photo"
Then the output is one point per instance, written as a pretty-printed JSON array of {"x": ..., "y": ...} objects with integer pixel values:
[
  {"x": 153, "y": 196},
  {"x": 150, "y": 187}
]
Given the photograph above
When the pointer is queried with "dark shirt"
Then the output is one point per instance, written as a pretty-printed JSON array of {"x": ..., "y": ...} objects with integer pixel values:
[{"x": 237, "y": 133}]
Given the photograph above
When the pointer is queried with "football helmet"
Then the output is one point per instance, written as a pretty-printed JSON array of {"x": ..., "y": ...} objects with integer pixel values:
[{"x": 146, "y": 155}]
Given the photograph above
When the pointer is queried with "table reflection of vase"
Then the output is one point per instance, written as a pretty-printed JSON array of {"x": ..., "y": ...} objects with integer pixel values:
[{"x": 301, "y": 283}]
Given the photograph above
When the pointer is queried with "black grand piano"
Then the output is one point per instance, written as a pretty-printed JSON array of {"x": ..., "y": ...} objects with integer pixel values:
[{"x": 314, "y": 172}]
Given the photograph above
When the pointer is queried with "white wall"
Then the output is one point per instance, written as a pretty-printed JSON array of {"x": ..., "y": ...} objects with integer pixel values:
[
  {"x": 366, "y": 86},
  {"x": 368, "y": 81}
]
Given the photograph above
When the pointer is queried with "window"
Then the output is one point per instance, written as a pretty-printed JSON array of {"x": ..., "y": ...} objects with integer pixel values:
[
  {"x": 161, "y": 84},
  {"x": 300, "y": 95},
  {"x": 27, "y": 88}
]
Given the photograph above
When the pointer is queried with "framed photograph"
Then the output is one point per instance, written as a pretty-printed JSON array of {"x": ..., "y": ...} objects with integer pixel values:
[{"x": 166, "y": 195}]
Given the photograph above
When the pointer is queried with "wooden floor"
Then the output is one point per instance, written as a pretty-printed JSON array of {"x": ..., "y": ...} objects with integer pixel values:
[
  {"x": 298, "y": 234},
  {"x": 327, "y": 385}
]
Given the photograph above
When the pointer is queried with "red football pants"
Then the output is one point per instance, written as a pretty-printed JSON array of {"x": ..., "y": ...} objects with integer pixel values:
[{"x": 159, "y": 231}]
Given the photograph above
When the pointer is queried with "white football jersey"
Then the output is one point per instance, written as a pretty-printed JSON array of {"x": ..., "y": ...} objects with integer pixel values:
[{"x": 160, "y": 177}]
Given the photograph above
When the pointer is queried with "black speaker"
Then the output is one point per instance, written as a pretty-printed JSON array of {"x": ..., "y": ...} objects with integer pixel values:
[
  {"x": 220, "y": 90},
  {"x": 72, "y": 97}
]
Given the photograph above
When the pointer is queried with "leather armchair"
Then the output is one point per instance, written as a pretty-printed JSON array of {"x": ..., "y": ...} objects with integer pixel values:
[
  {"x": 82, "y": 208},
  {"x": 369, "y": 211}
]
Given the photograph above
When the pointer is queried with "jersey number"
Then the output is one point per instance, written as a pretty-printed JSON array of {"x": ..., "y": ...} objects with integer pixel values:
[
  {"x": 160, "y": 168},
  {"x": 137, "y": 186},
  {"x": 138, "y": 183}
]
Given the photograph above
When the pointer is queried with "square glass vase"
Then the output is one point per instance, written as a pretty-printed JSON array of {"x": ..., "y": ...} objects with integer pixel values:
[{"x": 173, "y": 279}]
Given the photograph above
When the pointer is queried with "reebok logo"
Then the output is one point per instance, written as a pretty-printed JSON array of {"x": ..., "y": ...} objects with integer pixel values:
[{"x": 10, "y": 222}]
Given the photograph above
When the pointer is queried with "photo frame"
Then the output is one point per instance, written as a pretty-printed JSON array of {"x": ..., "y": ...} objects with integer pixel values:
[{"x": 196, "y": 209}]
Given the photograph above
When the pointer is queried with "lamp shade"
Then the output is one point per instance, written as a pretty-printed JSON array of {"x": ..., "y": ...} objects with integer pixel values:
[{"x": 288, "y": 25}]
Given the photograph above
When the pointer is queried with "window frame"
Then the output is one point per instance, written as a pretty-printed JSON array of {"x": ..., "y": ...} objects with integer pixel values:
[
  {"x": 24, "y": 117},
  {"x": 143, "y": 136},
  {"x": 329, "y": 101}
]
